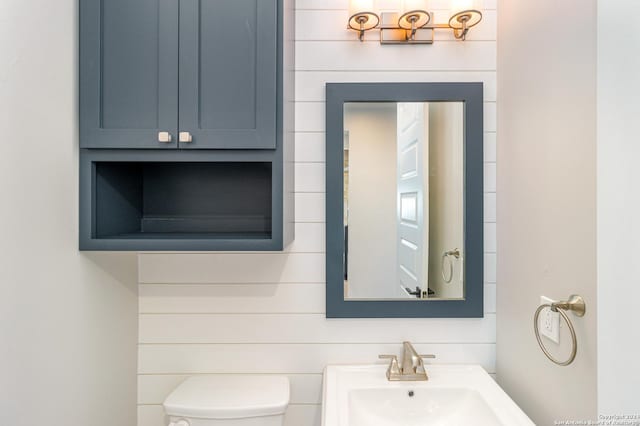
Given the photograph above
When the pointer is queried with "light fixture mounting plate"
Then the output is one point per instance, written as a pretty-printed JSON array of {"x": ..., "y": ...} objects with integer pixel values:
[{"x": 391, "y": 34}]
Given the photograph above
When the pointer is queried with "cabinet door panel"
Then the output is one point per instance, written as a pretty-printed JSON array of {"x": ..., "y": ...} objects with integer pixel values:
[
  {"x": 228, "y": 73},
  {"x": 129, "y": 73}
]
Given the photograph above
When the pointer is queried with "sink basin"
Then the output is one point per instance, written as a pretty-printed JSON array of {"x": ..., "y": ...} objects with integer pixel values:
[
  {"x": 380, "y": 407},
  {"x": 361, "y": 395}
]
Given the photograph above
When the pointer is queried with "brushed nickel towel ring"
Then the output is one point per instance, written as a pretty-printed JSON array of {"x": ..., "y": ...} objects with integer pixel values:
[
  {"x": 446, "y": 256},
  {"x": 577, "y": 306}
]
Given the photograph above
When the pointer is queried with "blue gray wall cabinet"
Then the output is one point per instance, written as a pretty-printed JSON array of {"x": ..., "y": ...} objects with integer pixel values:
[{"x": 221, "y": 70}]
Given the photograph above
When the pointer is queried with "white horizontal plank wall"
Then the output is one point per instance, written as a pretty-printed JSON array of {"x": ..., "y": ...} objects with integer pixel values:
[{"x": 263, "y": 313}]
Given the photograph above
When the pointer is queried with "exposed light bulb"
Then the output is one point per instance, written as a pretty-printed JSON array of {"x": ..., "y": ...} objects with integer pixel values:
[
  {"x": 409, "y": 5},
  {"x": 359, "y": 6},
  {"x": 463, "y": 5},
  {"x": 464, "y": 15}
]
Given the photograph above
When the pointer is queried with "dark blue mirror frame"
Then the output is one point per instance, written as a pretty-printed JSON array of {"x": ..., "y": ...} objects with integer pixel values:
[{"x": 337, "y": 94}]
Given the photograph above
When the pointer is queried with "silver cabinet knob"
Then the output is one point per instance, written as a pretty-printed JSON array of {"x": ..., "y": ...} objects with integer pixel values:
[
  {"x": 164, "y": 137},
  {"x": 185, "y": 137}
]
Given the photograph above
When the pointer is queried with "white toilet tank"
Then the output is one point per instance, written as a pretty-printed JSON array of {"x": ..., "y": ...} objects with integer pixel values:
[{"x": 229, "y": 400}]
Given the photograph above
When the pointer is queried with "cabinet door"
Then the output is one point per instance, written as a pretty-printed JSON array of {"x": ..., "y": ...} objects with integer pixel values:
[
  {"x": 228, "y": 73},
  {"x": 128, "y": 73}
]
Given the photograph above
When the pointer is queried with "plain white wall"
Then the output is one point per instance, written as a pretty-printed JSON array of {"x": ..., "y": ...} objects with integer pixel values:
[
  {"x": 618, "y": 209},
  {"x": 372, "y": 197},
  {"x": 68, "y": 322},
  {"x": 547, "y": 198},
  {"x": 216, "y": 313}
]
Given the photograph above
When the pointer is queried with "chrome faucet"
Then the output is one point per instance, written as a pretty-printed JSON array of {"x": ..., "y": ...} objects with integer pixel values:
[{"x": 412, "y": 368}]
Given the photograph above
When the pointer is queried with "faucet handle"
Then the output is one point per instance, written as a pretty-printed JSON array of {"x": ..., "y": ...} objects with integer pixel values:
[
  {"x": 420, "y": 368},
  {"x": 394, "y": 368},
  {"x": 393, "y": 358}
]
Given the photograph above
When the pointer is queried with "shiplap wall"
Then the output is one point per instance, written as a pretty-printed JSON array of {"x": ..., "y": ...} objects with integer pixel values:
[{"x": 234, "y": 313}]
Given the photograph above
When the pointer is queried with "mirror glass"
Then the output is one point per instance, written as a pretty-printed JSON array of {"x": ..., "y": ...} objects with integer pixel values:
[{"x": 404, "y": 200}]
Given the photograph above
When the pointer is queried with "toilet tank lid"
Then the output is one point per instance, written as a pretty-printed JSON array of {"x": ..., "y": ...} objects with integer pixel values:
[{"x": 229, "y": 397}]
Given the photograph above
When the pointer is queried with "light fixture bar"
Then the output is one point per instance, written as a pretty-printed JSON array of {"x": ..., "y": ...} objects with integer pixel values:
[{"x": 390, "y": 33}]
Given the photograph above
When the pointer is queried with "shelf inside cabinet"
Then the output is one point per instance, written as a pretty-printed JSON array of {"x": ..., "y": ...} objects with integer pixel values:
[{"x": 182, "y": 200}]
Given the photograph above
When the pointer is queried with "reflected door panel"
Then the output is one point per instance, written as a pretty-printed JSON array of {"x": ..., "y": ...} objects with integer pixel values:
[{"x": 413, "y": 195}]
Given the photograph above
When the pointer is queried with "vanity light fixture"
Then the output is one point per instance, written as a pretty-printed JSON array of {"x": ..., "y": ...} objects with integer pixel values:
[
  {"x": 413, "y": 23},
  {"x": 361, "y": 16}
]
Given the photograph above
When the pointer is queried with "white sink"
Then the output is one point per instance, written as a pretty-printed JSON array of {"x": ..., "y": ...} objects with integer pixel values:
[{"x": 361, "y": 395}]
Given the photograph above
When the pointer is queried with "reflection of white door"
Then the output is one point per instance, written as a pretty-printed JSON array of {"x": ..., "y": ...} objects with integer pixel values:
[{"x": 413, "y": 197}]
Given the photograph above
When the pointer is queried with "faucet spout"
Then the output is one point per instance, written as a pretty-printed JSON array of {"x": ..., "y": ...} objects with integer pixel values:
[{"x": 411, "y": 361}]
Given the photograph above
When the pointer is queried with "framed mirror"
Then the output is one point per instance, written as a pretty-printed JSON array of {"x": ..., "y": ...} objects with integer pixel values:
[{"x": 404, "y": 208}]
